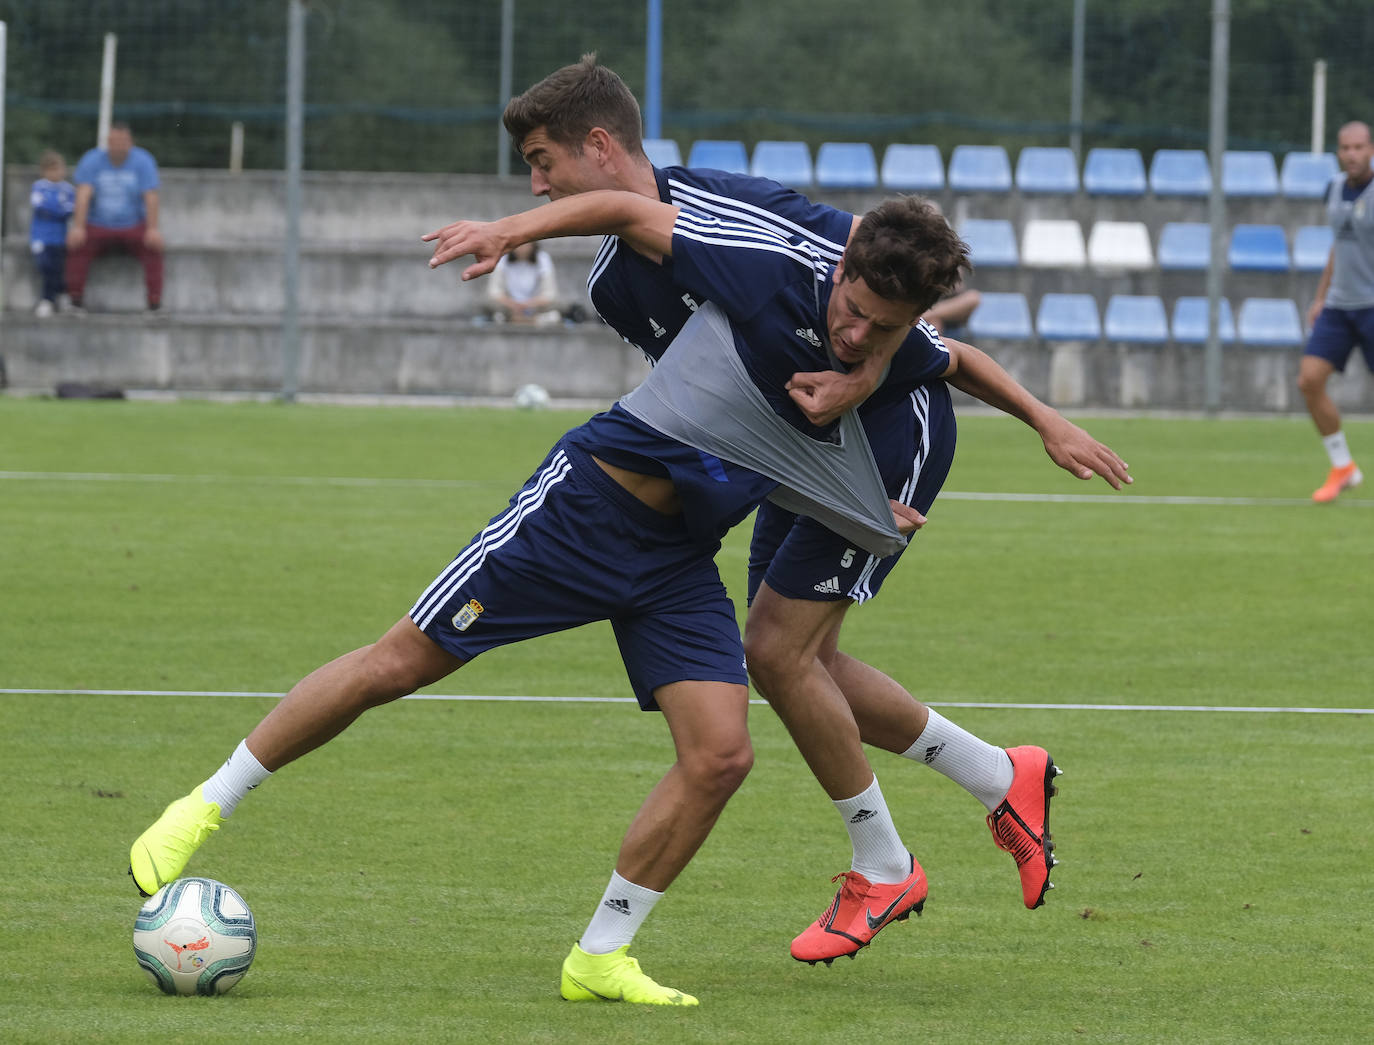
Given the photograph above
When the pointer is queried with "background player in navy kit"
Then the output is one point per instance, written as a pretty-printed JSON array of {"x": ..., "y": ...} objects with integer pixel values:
[
  {"x": 1342, "y": 314},
  {"x": 620, "y": 523},
  {"x": 579, "y": 129}
]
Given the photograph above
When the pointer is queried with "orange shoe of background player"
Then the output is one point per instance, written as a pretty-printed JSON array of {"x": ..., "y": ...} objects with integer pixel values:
[
  {"x": 858, "y": 913},
  {"x": 1021, "y": 824},
  {"x": 1338, "y": 479}
]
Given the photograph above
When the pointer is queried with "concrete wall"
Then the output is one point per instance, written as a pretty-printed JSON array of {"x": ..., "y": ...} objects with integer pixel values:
[{"x": 376, "y": 319}]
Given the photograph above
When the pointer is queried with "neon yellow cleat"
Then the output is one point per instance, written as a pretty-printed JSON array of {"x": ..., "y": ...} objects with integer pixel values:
[
  {"x": 162, "y": 851},
  {"x": 614, "y": 977}
]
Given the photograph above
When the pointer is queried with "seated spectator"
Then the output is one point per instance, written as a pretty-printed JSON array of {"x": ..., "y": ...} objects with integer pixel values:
[
  {"x": 523, "y": 289},
  {"x": 53, "y": 199},
  {"x": 952, "y": 313},
  {"x": 116, "y": 209}
]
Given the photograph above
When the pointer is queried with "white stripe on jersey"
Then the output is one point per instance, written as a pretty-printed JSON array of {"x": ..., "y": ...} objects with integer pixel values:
[
  {"x": 498, "y": 532},
  {"x": 604, "y": 254},
  {"x": 685, "y": 195},
  {"x": 920, "y": 406},
  {"x": 715, "y": 232}
]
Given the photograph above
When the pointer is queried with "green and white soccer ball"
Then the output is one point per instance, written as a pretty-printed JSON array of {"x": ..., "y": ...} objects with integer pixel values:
[{"x": 195, "y": 936}]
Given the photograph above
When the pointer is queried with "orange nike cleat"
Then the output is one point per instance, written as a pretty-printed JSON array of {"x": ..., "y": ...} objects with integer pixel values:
[
  {"x": 1338, "y": 479},
  {"x": 858, "y": 913},
  {"x": 1021, "y": 824}
]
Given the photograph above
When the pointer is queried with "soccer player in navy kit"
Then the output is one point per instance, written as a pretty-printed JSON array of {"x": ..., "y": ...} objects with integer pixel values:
[
  {"x": 621, "y": 523},
  {"x": 1342, "y": 313},
  {"x": 579, "y": 129}
]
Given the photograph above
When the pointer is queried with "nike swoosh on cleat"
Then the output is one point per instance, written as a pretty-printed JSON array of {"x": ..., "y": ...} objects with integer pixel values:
[{"x": 876, "y": 923}]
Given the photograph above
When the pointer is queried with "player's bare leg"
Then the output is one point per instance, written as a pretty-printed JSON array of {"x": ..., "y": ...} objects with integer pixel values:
[
  {"x": 783, "y": 639},
  {"x": 325, "y": 702},
  {"x": 709, "y": 723},
  {"x": 1314, "y": 373},
  {"x": 317, "y": 708}
]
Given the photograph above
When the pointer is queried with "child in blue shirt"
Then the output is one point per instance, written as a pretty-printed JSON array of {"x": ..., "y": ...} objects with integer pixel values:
[{"x": 53, "y": 198}]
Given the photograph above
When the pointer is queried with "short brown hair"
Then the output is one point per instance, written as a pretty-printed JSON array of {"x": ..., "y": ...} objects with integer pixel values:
[
  {"x": 570, "y": 102},
  {"x": 905, "y": 250}
]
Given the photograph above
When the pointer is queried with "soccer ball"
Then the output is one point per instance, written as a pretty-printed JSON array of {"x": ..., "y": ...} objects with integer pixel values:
[
  {"x": 531, "y": 397},
  {"x": 195, "y": 936}
]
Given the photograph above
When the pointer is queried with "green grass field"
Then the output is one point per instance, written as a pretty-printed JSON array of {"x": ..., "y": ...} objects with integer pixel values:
[{"x": 421, "y": 877}]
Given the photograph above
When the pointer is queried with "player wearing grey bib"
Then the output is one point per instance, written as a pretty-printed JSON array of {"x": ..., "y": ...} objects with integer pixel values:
[
  {"x": 579, "y": 129},
  {"x": 1342, "y": 314}
]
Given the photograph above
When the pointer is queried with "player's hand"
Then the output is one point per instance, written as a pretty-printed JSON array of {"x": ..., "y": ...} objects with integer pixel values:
[
  {"x": 76, "y": 236},
  {"x": 907, "y": 518},
  {"x": 152, "y": 239},
  {"x": 482, "y": 239},
  {"x": 1313, "y": 312},
  {"x": 822, "y": 396},
  {"x": 1078, "y": 453}
]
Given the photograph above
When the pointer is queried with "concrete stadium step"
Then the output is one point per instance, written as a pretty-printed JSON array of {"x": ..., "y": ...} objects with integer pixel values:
[
  {"x": 240, "y": 353},
  {"x": 361, "y": 279}
]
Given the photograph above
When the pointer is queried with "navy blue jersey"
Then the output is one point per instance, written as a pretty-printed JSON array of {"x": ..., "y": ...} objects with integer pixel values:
[
  {"x": 775, "y": 293},
  {"x": 639, "y": 299}
]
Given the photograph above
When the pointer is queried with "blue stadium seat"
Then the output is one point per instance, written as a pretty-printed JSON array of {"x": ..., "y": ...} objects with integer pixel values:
[
  {"x": 1246, "y": 173},
  {"x": 1046, "y": 169},
  {"x": 979, "y": 168},
  {"x": 788, "y": 162},
  {"x": 1180, "y": 172},
  {"x": 1068, "y": 317},
  {"x": 1312, "y": 247},
  {"x": 1185, "y": 245},
  {"x": 1307, "y": 175},
  {"x": 1136, "y": 317},
  {"x": 914, "y": 168},
  {"x": 846, "y": 165},
  {"x": 991, "y": 242},
  {"x": 1258, "y": 248},
  {"x": 719, "y": 155},
  {"x": 1002, "y": 316},
  {"x": 663, "y": 152},
  {"x": 1190, "y": 321},
  {"x": 1269, "y": 321},
  {"x": 1114, "y": 172}
]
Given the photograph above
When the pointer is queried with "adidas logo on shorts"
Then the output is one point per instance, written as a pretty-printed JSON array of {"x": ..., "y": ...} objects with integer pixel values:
[{"x": 830, "y": 587}]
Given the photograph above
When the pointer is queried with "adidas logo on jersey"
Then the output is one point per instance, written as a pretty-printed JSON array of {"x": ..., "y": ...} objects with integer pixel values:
[
  {"x": 619, "y": 906},
  {"x": 809, "y": 336},
  {"x": 659, "y": 331},
  {"x": 830, "y": 587}
]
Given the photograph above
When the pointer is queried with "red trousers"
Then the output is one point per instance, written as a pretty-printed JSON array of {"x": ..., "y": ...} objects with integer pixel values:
[{"x": 103, "y": 241}]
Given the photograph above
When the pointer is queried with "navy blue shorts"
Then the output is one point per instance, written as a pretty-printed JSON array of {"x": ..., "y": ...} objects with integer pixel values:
[
  {"x": 913, "y": 443},
  {"x": 1336, "y": 333},
  {"x": 574, "y": 547}
]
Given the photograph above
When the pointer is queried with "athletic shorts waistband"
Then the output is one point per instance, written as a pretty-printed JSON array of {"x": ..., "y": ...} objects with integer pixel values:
[{"x": 587, "y": 468}]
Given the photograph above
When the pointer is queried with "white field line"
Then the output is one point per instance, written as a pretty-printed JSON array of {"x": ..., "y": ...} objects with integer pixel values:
[
  {"x": 512, "y": 699},
  {"x": 366, "y": 481}
]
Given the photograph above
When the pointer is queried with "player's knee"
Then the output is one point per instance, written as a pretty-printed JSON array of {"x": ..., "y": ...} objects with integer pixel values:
[
  {"x": 770, "y": 656},
  {"x": 1311, "y": 383},
  {"x": 720, "y": 768}
]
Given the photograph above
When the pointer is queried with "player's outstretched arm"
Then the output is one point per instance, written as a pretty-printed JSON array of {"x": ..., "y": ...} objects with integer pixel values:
[
  {"x": 645, "y": 224},
  {"x": 1073, "y": 449}
]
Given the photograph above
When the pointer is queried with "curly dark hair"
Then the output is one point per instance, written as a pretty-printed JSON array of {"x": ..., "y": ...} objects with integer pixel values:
[
  {"x": 905, "y": 250},
  {"x": 568, "y": 103}
]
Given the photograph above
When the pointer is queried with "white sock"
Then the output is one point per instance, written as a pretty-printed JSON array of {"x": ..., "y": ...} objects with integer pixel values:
[
  {"x": 622, "y": 910},
  {"x": 1336, "y": 449},
  {"x": 240, "y": 773},
  {"x": 879, "y": 854},
  {"x": 982, "y": 770}
]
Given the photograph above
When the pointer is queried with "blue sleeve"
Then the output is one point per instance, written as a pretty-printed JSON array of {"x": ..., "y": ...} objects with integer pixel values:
[
  {"x": 922, "y": 357},
  {"x": 147, "y": 171},
  {"x": 738, "y": 267},
  {"x": 87, "y": 167}
]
